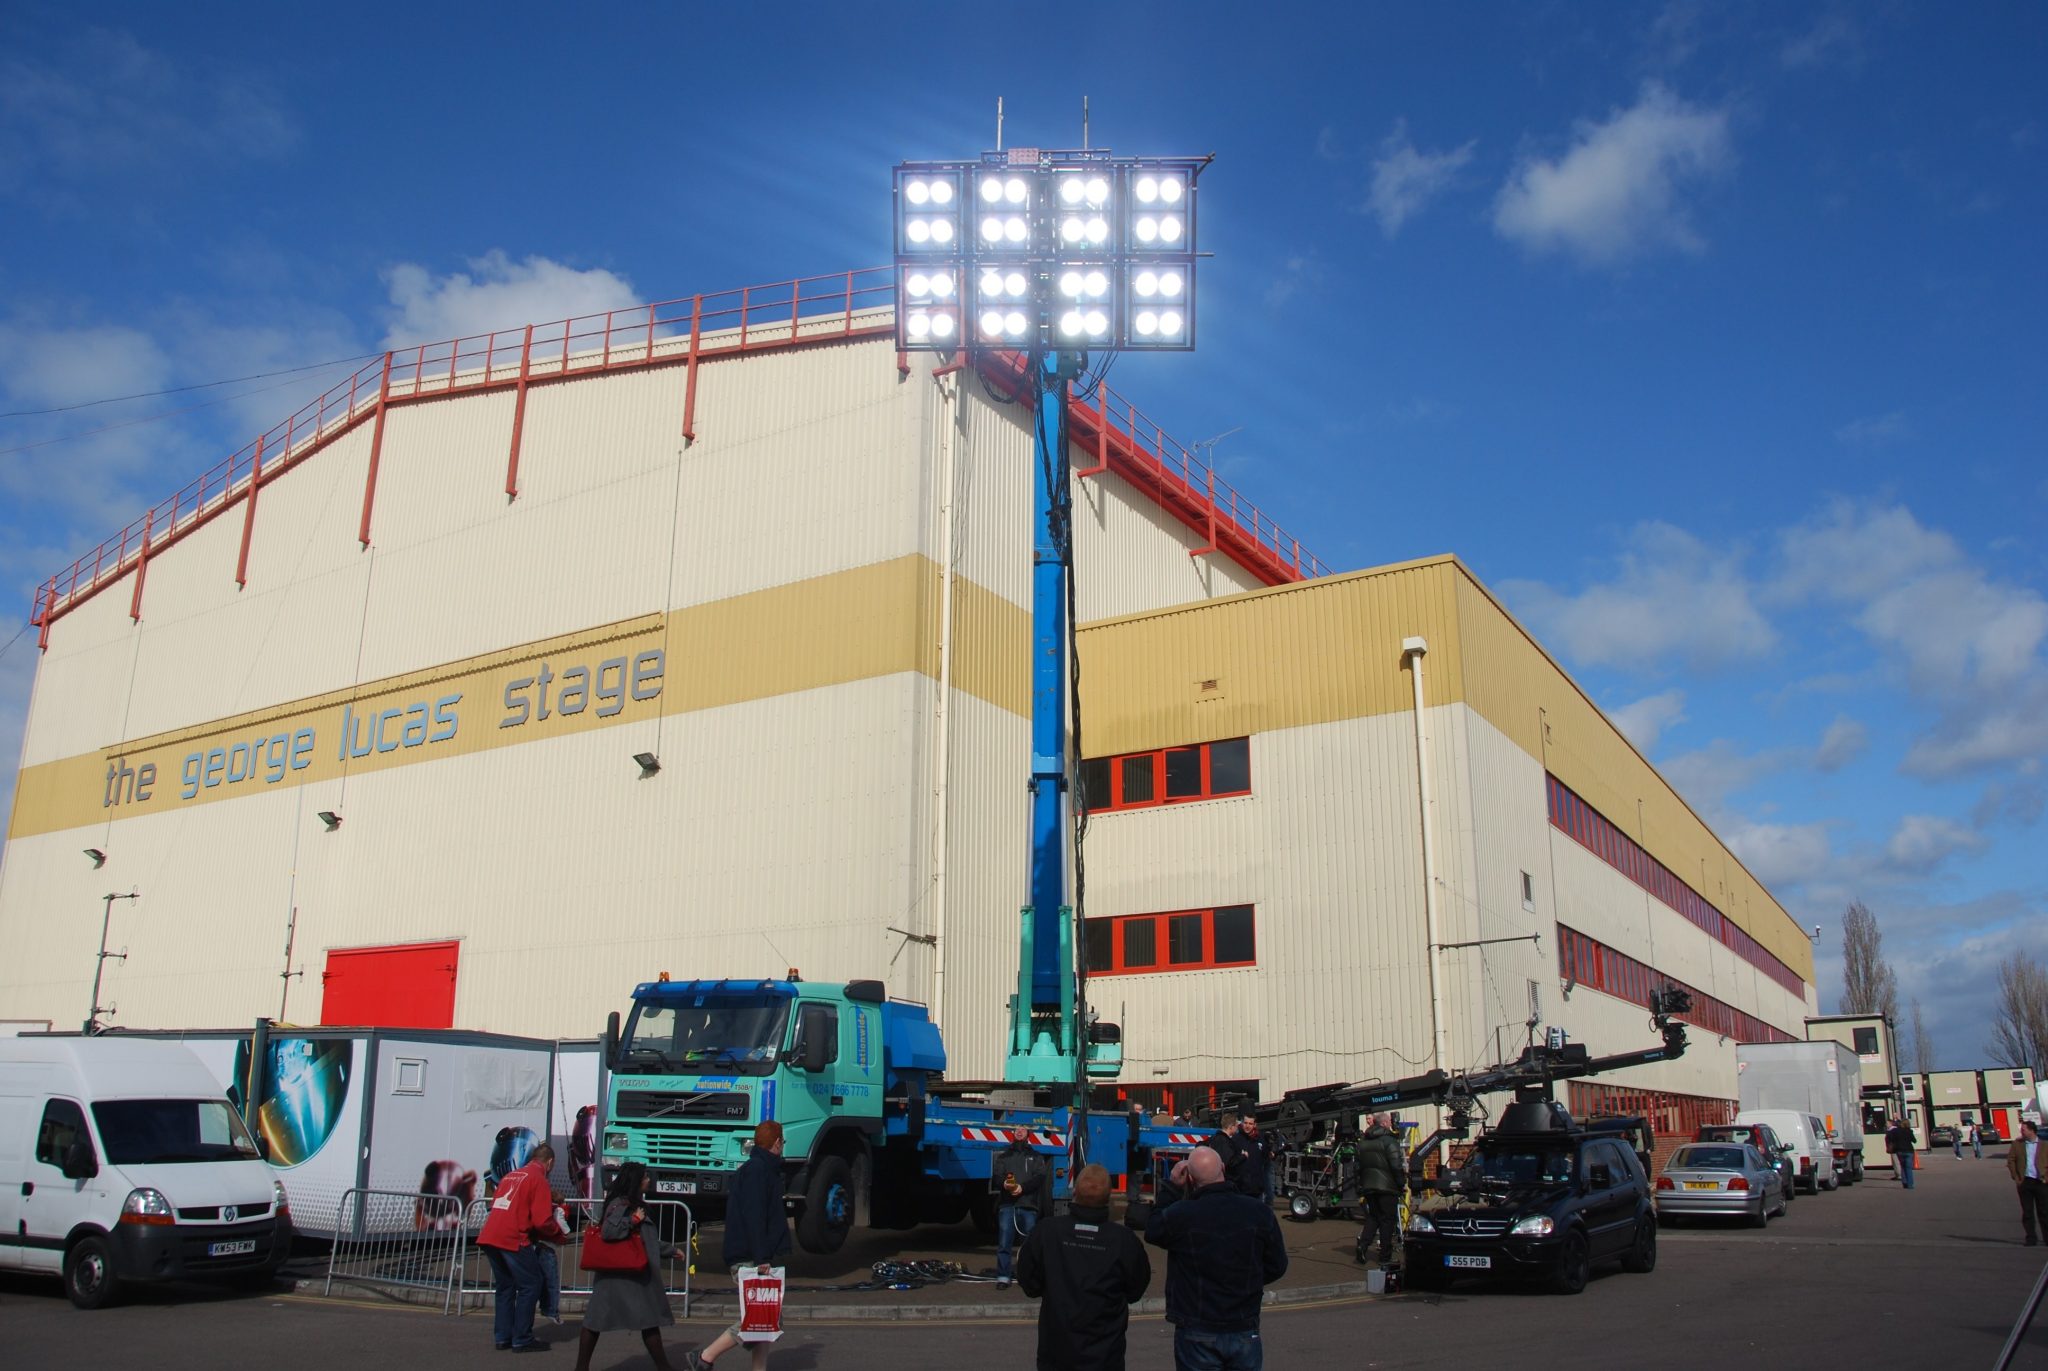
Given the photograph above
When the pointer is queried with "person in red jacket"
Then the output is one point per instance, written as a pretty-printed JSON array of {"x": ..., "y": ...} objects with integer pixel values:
[{"x": 521, "y": 1207}]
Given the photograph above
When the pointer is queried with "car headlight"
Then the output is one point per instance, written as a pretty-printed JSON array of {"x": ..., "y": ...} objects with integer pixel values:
[
  {"x": 147, "y": 1206},
  {"x": 1534, "y": 1226},
  {"x": 1419, "y": 1223},
  {"x": 615, "y": 1142},
  {"x": 278, "y": 1199}
]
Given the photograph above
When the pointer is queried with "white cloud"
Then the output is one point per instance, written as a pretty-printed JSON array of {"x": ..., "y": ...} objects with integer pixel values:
[
  {"x": 50, "y": 366},
  {"x": 1853, "y": 552},
  {"x": 1706, "y": 777},
  {"x": 496, "y": 293},
  {"x": 1842, "y": 744},
  {"x": 1296, "y": 273},
  {"x": 1875, "y": 430},
  {"x": 1922, "y": 842},
  {"x": 1643, "y": 721},
  {"x": 1833, "y": 37},
  {"x": 1405, "y": 179},
  {"x": 1780, "y": 854},
  {"x": 1673, "y": 597},
  {"x": 1621, "y": 190}
]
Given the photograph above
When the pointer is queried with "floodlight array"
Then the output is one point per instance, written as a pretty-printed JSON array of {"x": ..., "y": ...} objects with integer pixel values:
[{"x": 1046, "y": 250}]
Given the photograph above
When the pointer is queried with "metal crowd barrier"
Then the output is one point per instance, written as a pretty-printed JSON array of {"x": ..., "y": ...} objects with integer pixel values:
[
  {"x": 397, "y": 1239},
  {"x": 673, "y": 1220}
]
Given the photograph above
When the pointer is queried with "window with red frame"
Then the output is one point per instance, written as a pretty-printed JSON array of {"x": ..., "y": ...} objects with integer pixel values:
[
  {"x": 1184, "y": 940},
  {"x": 1171, "y": 775}
]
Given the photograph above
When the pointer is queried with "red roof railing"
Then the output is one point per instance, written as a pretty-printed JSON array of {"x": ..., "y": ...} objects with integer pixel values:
[{"x": 679, "y": 332}]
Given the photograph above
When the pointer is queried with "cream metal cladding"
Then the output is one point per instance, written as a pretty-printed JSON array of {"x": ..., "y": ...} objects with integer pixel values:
[
  {"x": 1314, "y": 674},
  {"x": 793, "y": 820}
]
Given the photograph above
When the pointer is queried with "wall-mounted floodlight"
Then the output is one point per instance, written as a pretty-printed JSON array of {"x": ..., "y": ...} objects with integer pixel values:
[
  {"x": 649, "y": 763},
  {"x": 330, "y": 818},
  {"x": 1038, "y": 249},
  {"x": 99, "y": 858}
]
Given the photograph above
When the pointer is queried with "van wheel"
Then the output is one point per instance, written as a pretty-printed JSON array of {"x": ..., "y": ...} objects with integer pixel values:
[
  {"x": 828, "y": 1206},
  {"x": 89, "y": 1277}
]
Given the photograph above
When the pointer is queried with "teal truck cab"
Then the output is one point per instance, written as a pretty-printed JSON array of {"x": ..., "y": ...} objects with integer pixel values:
[{"x": 853, "y": 1078}]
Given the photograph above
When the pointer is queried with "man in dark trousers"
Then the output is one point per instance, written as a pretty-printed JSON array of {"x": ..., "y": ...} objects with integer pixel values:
[
  {"x": 1089, "y": 1272},
  {"x": 756, "y": 1231},
  {"x": 2026, "y": 1159},
  {"x": 1381, "y": 1176},
  {"x": 1023, "y": 1186},
  {"x": 520, "y": 1207},
  {"x": 1223, "y": 1249},
  {"x": 1238, "y": 1151}
]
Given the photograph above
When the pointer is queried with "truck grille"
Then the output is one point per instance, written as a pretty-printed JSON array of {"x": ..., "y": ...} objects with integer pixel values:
[
  {"x": 663, "y": 1104},
  {"x": 211, "y": 1213},
  {"x": 671, "y": 1147},
  {"x": 1463, "y": 1226}
]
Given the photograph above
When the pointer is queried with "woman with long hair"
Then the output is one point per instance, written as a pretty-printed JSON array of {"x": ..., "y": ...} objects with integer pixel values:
[{"x": 621, "y": 1301}]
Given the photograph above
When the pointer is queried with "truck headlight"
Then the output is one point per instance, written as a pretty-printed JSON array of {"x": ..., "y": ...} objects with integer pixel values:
[
  {"x": 279, "y": 1201},
  {"x": 615, "y": 1142},
  {"x": 147, "y": 1206},
  {"x": 1419, "y": 1223},
  {"x": 1534, "y": 1226}
]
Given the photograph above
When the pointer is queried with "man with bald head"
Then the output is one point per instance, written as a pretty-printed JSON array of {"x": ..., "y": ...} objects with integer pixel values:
[
  {"x": 1089, "y": 1272},
  {"x": 1223, "y": 1249}
]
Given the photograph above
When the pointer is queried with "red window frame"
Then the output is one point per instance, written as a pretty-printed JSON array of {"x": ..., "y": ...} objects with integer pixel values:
[
  {"x": 1160, "y": 923},
  {"x": 1157, "y": 757}
]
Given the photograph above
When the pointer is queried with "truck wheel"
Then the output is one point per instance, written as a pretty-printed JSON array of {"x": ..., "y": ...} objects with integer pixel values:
[
  {"x": 89, "y": 1277},
  {"x": 1641, "y": 1257},
  {"x": 1574, "y": 1266},
  {"x": 828, "y": 1207}
]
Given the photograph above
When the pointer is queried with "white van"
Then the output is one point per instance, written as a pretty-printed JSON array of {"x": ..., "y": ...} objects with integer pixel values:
[
  {"x": 1813, "y": 1150},
  {"x": 120, "y": 1161}
]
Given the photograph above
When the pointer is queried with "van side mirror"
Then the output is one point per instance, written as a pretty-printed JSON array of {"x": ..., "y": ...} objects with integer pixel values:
[{"x": 79, "y": 1163}]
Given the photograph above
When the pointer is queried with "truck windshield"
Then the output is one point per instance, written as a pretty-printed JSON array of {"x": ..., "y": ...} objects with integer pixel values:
[
  {"x": 737, "y": 1033},
  {"x": 1524, "y": 1165},
  {"x": 151, "y": 1132}
]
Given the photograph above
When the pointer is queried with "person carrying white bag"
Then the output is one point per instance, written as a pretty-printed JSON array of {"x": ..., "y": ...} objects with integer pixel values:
[{"x": 756, "y": 1241}]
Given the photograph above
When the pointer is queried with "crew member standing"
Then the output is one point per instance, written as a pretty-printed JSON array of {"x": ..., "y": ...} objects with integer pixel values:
[
  {"x": 2027, "y": 1161},
  {"x": 1381, "y": 1172},
  {"x": 1900, "y": 1142},
  {"x": 521, "y": 1206},
  {"x": 1023, "y": 1197},
  {"x": 1223, "y": 1249},
  {"x": 1089, "y": 1272}
]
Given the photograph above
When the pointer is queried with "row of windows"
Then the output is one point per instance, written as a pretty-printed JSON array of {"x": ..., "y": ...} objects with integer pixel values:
[
  {"x": 1185, "y": 940},
  {"x": 1673, "y": 1117},
  {"x": 1600, "y": 967},
  {"x": 1169, "y": 775},
  {"x": 1595, "y": 833}
]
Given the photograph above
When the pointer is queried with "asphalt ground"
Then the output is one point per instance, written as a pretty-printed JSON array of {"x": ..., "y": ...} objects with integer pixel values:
[{"x": 1871, "y": 1276}]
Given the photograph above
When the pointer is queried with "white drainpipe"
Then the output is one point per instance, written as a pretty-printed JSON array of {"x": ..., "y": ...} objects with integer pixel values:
[
  {"x": 942, "y": 748},
  {"x": 1415, "y": 649}
]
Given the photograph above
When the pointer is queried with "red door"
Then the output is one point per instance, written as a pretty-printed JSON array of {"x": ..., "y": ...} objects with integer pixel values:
[{"x": 412, "y": 986}]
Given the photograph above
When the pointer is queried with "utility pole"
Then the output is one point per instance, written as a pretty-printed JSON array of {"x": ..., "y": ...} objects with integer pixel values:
[{"x": 92, "y": 1020}]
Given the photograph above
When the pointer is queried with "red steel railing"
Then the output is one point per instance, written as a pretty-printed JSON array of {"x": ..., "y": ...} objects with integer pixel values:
[{"x": 678, "y": 332}]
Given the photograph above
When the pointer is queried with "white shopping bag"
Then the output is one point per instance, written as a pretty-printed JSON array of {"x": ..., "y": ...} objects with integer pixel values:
[{"x": 760, "y": 1289}]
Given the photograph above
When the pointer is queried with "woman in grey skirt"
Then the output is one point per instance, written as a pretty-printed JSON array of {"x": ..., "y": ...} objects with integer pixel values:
[{"x": 621, "y": 1301}]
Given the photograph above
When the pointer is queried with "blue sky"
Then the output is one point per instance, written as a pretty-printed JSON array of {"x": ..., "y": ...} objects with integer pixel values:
[{"x": 1709, "y": 335}]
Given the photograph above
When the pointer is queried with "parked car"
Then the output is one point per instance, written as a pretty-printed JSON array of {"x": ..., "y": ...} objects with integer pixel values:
[
  {"x": 1764, "y": 1139},
  {"x": 1991, "y": 1133},
  {"x": 1720, "y": 1179},
  {"x": 1941, "y": 1135},
  {"x": 1540, "y": 1197},
  {"x": 1813, "y": 1150}
]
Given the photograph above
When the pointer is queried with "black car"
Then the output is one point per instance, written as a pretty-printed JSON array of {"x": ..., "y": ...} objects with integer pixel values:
[{"x": 1540, "y": 1196}]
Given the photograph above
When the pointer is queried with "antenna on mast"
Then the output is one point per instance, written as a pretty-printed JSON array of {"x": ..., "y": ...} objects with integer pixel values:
[
  {"x": 999, "y": 123},
  {"x": 1084, "y": 123}
]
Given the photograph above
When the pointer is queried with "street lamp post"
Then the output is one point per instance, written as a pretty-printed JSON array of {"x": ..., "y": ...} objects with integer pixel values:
[{"x": 92, "y": 1021}]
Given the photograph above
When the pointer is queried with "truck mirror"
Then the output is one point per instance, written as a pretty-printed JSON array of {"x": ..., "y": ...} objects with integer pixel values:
[
  {"x": 816, "y": 1054},
  {"x": 611, "y": 1040},
  {"x": 79, "y": 1163}
]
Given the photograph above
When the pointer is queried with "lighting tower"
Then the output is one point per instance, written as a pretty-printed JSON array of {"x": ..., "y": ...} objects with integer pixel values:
[{"x": 1029, "y": 260}]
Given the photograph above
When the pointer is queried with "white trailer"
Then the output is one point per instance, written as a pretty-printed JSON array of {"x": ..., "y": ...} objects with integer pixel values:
[{"x": 1820, "y": 1078}]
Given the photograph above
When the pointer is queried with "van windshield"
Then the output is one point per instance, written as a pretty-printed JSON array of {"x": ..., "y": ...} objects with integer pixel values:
[{"x": 154, "y": 1132}]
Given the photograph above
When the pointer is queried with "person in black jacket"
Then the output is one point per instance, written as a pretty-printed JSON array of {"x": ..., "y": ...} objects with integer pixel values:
[
  {"x": 1023, "y": 1185},
  {"x": 1241, "y": 1153},
  {"x": 1223, "y": 1249},
  {"x": 756, "y": 1230},
  {"x": 1088, "y": 1272}
]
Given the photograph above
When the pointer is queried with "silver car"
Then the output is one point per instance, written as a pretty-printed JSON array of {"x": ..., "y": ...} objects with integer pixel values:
[{"x": 1719, "y": 1178}]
